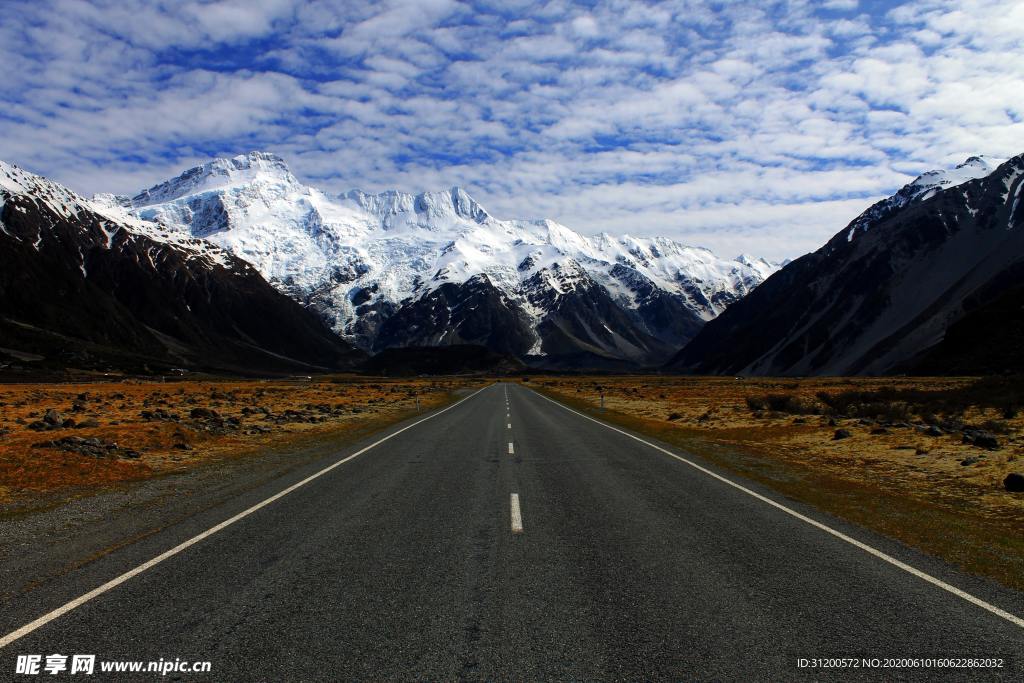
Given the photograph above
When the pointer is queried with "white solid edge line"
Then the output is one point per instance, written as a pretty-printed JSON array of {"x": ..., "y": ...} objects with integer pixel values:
[
  {"x": 1013, "y": 619},
  {"x": 516, "y": 514},
  {"x": 114, "y": 583},
  {"x": 510, "y": 449}
]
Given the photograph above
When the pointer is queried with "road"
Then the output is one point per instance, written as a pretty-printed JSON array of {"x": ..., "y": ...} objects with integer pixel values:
[{"x": 627, "y": 564}]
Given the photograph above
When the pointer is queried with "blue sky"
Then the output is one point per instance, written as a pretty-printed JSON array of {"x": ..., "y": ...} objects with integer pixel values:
[{"x": 758, "y": 127}]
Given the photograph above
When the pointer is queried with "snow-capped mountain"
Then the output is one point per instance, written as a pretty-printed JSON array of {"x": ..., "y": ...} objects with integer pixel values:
[
  {"x": 86, "y": 284},
  {"x": 397, "y": 269},
  {"x": 921, "y": 188},
  {"x": 928, "y": 280}
]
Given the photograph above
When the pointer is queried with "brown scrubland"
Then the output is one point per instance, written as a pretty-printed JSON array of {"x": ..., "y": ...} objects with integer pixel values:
[{"x": 60, "y": 440}]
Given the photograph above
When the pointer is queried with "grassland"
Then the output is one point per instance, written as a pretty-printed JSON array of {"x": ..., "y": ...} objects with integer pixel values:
[
  {"x": 62, "y": 440},
  {"x": 919, "y": 460}
]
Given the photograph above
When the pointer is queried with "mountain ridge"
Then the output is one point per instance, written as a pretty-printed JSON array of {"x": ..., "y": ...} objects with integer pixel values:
[
  {"x": 79, "y": 289},
  {"x": 884, "y": 290},
  {"x": 358, "y": 259}
]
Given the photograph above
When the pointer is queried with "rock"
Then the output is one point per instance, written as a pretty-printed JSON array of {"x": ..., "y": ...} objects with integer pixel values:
[
  {"x": 204, "y": 414},
  {"x": 981, "y": 439},
  {"x": 921, "y": 451},
  {"x": 831, "y": 422},
  {"x": 673, "y": 416},
  {"x": 76, "y": 444},
  {"x": 1014, "y": 482},
  {"x": 182, "y": 446},
  {"x": 879, "y": 430},
  {"x": 969, "y": 461},
  {"x": 841, "y": 434},
  {"x": 39, "y": 426},
  {"x": 933, "y": 431},
  {"x": 52, "y": 417},
  {"x": 88, "y": 423}
]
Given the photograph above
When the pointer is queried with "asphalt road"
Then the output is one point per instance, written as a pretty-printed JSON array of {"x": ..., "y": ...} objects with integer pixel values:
[{"x": 405, "y": 563}]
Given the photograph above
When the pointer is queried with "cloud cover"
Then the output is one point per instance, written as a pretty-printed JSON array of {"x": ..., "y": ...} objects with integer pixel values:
[{"x": 761, "y": 127}]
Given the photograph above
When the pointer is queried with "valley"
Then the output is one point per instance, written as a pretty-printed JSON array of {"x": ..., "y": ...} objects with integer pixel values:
[{"x": 469, "y": 341}]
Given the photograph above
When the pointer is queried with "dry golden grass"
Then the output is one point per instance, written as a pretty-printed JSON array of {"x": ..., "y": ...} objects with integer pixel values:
[
  {"x": 902, "y": 482},
  {"x": 174, "y": 440}
]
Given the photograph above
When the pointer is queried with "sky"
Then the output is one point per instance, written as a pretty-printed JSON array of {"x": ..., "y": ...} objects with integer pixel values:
[{"x": 757, "y": 127}]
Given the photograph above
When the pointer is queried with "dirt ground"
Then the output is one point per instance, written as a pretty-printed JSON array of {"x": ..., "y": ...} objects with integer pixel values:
[
  {"x": 932, "y": 479},
  {"x": 68, "y": 439}
]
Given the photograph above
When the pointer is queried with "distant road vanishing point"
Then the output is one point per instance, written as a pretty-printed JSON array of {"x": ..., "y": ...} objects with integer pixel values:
[{"x": 508, "y": 537}]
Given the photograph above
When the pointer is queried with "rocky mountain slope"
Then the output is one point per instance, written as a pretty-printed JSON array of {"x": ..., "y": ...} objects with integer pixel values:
[
  {"x": 927, "y": 280},
  {"x": 393, "y": 270},
  {"x": 82, "y": 288}
]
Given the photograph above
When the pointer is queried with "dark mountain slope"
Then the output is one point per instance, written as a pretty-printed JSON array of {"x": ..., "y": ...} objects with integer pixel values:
[
  {"x": 474, "y": 312},
  {"x": 988, "y": 340},
  {"x": 83, "y": 291},
  {"x": 883, "y": 291}
]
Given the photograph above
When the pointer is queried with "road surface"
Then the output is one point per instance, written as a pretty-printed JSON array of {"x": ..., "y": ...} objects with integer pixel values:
[{"x": 510, "y": 538}]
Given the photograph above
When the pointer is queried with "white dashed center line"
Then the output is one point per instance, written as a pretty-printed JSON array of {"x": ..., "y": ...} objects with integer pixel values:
[
  {"x": 517, "y": 515},
  {"x": 511, "y": 450}
]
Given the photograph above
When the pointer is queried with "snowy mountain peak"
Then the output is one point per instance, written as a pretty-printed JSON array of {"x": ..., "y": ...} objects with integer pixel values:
[
  {"x": 114, "y": 214},
  {"x": 221, "y": 173},
  {"x": 927, "y": 184},
  {"x": 15, "y": 180},
  {"x": 383, "y": 268},
  {"x": 759, "y": 264},
  {"x": 921, "y": 188},
  {"x": 400, "y": 208}
]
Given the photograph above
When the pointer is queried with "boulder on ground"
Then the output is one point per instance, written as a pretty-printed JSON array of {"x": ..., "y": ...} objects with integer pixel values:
[{"x": 981, "y": 439}]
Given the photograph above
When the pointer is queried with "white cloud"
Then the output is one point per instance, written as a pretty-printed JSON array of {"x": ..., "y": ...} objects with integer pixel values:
[{"x": 761, "y": 127}]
